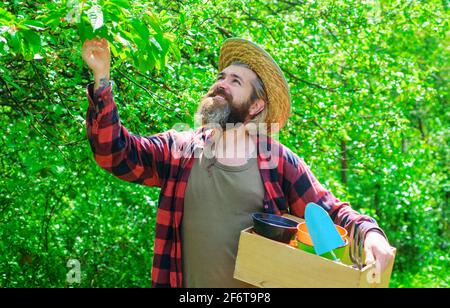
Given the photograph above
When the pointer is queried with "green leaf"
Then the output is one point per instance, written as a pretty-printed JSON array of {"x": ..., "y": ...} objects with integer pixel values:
[
  {"x": 85, "y": 30},
  {"x": 95, "y": 16},
  {"x": 154, "y": 23},
  {"x": 156, "y": 44},
  {"x": 34, "y": 25},
  {"x": 120, "y": 3},
  {"x": 15, "y": 42},
  {"x": 33, "y": 39},
  {"x": 141, "y": 29}
]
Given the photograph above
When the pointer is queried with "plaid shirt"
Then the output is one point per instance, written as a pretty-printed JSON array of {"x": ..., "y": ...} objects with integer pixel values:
[{"x": 289, "y": 184}]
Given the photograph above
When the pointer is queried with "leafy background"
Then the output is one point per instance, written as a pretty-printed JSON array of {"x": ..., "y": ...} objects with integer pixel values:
[{"x": 369, "y": 81}]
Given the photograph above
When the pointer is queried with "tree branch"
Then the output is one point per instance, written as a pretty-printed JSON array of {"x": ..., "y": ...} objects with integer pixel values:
[{"x": 150, "y": 94}]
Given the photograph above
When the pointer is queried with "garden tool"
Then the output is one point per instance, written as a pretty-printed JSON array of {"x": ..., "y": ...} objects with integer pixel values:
[{"x": 322, "y": 230}]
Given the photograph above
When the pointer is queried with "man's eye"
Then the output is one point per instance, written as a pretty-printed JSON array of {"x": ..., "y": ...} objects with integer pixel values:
[{"x": 237, "y": 81}]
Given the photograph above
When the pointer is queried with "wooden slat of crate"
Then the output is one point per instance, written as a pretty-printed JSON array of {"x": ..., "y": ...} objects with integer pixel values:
[
  {"x": 365, "y": 282},
  {"x": 266, "y": 263}
]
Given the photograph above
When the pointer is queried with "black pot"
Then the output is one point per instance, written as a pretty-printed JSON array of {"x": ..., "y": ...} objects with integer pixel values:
[{"x": 274, "y": 227}]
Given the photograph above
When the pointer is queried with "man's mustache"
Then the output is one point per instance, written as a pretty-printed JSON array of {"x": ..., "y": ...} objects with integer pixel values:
[{"x": 221, "y": 92}]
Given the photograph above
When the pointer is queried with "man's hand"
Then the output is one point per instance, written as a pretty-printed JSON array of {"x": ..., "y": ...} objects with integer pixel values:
[
  {"x": 378, "y": 251},
  {"x": 97, "y": 56}
]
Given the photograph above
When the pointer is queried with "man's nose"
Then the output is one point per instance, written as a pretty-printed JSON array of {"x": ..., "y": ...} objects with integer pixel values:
[{"x": 222, "y": 84}]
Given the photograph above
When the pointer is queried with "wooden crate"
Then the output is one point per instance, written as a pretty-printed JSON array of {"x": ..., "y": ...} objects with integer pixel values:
[{"x": 266, "y": 263}]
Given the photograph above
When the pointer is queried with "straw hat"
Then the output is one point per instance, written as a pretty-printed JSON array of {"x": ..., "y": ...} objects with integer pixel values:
[{"x": 275, "y": 84}]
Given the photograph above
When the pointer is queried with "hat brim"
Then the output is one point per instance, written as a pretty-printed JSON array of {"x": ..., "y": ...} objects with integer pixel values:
[{"x": 275, "y": 84}]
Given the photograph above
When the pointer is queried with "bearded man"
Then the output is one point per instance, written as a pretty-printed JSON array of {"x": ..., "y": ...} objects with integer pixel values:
[{"x": 214, "y": 177}]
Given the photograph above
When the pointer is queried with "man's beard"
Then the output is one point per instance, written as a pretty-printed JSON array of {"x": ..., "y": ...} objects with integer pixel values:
[{"x": 217, "y": 107}]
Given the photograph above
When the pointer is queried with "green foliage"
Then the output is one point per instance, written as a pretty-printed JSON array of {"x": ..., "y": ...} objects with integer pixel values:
[
  {"x": 135, "y": 32},
  {"x": 369, "y": 82}
]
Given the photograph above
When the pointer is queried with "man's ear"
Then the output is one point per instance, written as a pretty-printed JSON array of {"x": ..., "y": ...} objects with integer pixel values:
[{"x": 256, "y": 107}]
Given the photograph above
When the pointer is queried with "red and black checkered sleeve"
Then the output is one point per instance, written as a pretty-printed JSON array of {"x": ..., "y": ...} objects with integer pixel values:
[
  {"x": 141, "y": 160},
  {"x": 302, "y": 187}
]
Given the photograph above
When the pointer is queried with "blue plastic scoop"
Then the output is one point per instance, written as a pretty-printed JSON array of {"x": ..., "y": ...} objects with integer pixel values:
[{"x": 322, "y": 230}]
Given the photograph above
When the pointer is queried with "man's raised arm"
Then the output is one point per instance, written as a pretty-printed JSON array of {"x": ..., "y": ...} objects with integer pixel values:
[{"x": 142, "y": 160}]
